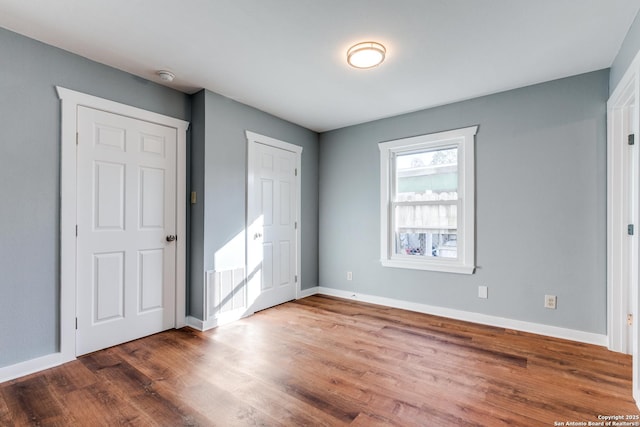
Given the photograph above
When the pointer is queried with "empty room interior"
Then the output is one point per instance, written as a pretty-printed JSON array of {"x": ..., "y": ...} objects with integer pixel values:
[{"x": 357, "y": 212}]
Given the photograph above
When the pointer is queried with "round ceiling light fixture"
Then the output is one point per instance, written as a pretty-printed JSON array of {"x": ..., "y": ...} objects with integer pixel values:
[
  {"x": 166, "y": 76},
  {"x": 366, "y": 55}
]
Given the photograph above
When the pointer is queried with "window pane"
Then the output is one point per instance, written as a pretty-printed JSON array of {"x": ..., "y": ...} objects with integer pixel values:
[
  {"x": 428, "y": 175},
  {"x": 419, "y": 217},
  {"x": 437, "y": 243},
  {"x": 426, "y": 230}
]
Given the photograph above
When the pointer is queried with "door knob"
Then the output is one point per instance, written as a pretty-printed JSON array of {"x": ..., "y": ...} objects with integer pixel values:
[
  {"x": 171, "y": 238},
  {"x": 257, "y": 236}
]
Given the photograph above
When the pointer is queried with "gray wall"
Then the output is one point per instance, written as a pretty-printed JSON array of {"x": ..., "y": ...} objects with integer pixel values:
[
  {"x": 30, "y": 175},
  {"x": 222, "y": 178},
  {"x": 540, "y": 200},
  {"x": 628, "y": 50},
  {"x": 195, "y": 290}
]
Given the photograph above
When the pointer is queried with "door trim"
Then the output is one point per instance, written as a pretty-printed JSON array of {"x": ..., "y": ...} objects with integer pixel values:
[
  {"x": 253, "y": 139},
  {"x": 623, "y": 176},
  {"x": 70, "y": 100},
  {"x": 622, "y": 210}
]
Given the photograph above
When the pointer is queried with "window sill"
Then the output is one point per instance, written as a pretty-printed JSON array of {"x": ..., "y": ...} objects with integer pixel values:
[{"x": 443, "y": 267}]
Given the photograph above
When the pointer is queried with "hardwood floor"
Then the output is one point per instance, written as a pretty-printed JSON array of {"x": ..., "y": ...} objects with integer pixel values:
[{"x": 327, "y": 361}]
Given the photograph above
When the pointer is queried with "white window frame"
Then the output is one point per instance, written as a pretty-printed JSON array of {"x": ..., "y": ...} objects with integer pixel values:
[{"x": 462, "y": 139}]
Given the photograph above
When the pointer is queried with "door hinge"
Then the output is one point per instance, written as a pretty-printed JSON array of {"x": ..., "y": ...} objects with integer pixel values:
[
  {"x": 296, "y": 278},
  {"x": 295, "y": 225},
  {"x": 76, "y": 230},
  {"x": 630, "y": 319},
  {"x": 296, "y": 171},
  {"x": 631, "y": 139},
  {"x": 76, "y": 323},
  {"x": 77, "y": 137},
  {"x": 193, "y": 197},
  {"x": 630, "y": 229}
]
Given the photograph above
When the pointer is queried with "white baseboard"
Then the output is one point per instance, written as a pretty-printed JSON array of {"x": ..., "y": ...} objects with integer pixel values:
[
  {"x": 483, "y": 319},
  {"x": 201, "y": 325},
  {"x": 33, "y": 365},
  {"x": 307, "y": 292},
  {"x": 214, "y": 322},
  {"x": 195, "y": 323}
]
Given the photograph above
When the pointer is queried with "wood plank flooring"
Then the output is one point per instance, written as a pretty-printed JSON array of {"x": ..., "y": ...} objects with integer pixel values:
[{"x": 327, "y": 361}]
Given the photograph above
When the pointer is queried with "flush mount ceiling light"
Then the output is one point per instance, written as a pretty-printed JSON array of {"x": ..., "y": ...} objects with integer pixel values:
[
  {"x": 366, "y": 55},
  {"x": 166, "y": 76}
]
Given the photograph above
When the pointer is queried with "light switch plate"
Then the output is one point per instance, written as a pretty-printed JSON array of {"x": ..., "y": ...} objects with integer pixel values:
[{"x": 483, "y": 292}]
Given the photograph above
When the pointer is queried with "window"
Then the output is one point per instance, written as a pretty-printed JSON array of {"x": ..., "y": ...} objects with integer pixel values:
[{"x": 427, "y": 202}]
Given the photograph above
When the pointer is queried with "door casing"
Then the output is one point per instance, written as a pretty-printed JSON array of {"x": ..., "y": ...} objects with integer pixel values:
[
  {"x": 70, "y": 100},
  {"x": 623, "y": 209}
]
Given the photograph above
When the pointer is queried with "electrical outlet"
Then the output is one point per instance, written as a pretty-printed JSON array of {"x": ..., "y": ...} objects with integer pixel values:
[
  {"x": 550, "y": 301},
  {"x": 349, "y": 275},
  {"x": 483, "y": 292}
]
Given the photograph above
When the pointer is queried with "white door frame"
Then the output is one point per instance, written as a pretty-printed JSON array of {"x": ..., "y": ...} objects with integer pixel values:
[
  {"x": 623, "y": 198},
  {"x": 253, "y": 139},
  {"x": 70, "y": 100}
]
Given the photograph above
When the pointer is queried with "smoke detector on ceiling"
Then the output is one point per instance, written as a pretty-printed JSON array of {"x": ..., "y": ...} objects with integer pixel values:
[{"x": 166, "y": 76}]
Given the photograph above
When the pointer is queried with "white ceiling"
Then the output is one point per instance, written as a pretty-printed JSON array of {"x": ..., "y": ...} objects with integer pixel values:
[{"x": 287, "y": 57}]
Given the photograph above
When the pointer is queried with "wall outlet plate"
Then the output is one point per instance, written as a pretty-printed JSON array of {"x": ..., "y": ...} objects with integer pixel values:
[
  {"x": 550, "y": 301},
  {"x": 349, "y": 275}
]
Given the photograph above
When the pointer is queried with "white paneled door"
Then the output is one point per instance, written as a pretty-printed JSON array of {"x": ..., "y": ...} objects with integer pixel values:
[
  {"x": 272, "y": 225},
  {"x": 126, "y": 215}
]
